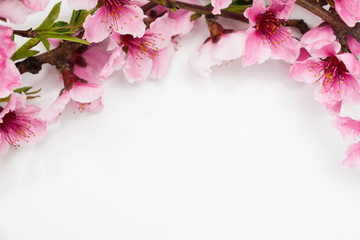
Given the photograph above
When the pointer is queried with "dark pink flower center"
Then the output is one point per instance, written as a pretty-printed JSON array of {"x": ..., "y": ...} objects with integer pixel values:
[
  {"x": 272, "y": 29},
  {"x": 144, "y": 46},
  {"x": 15, "y": 128},
  {"x": 115, "y": 10},
  {"x": 333, "y": 73}
]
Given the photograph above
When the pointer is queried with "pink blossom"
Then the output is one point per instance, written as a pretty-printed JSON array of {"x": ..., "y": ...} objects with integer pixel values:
[
  {"x": 142, "y": 53},
  {"x": 266, "y": 36},
  {"x": 225, "y": 45},
  {"x": 84, "y": 96},
  {"x": 20, "y": 9},
  {"x": 123, "y": 17},
  {"x": 348, "y": 127},
  {"x": 352, "y": 156},
  {"x": 82, "y": 89},
  {"x": 335, "y": 73},
  {"x": 219, "y": 4},
  {"x": 349, "y": 11},
  {"x": 18, "y": 123}
]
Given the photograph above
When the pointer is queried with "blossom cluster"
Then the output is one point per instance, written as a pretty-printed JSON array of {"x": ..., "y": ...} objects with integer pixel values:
[{"x": 140, "y": 39}]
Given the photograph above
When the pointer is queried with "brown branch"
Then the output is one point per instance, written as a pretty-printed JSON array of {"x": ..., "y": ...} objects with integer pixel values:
[
  {"x": 340, "y": 28},
  {"x": 299, "y": 24},
  {"x": 56, "y": 57},
  {"x": 206, "y": 10}
]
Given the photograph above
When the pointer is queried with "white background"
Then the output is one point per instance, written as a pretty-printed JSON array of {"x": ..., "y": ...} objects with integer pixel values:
[{"x": 244, "y": 154}]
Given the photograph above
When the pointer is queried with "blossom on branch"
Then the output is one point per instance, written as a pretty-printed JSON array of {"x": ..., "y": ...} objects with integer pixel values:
[
  {"x": 335, "y": 72},
  {"x": 142, "y": 54},
  {"x": 123, "y": 17},
  {"x": 348, "y": 10},
  {"x": 267, "y": 36},
  {"x": 18, "y": 123}
]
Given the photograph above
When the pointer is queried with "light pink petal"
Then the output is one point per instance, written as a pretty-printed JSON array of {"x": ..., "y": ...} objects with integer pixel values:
[
  {"x": 9, "y": 78},
  {"x": 161, "y": 31},
  {"x": 18, "y": 12},
  {"x": 282, "y": 9},
  {"x": 289, "y": 50},
  {"x": 36, "y": 5},
  {"x": 351, "y": 91},
  {"x": 230, "y": 46},
  {"x": 349, "y": 11},
  {"x": 82, "y": 4},
  {"x": 256, "y": 51},
  {"x": 348, "y": 127},
  {"x": 323, "y": 49},
  {"x": 219, "y": 4},
  {"x": 114, "y": 63},
  {"x": 95, "y": 106},
  {"x": 258, "y": 7},
  {"x": 57, "y": 107},
  {"x": 97, "y": 28},
  {"x": 183, "y": 23},
  {"x": 162, "y": 62},
  {"x": 351, "y": 62},
  {"x": 352, "y": 156},
  {"x": 306, "y": 71},
  {"x": 131, "y": 21},
  {"x": 204, "y": 59},
  {"x": 86, "y": 92},
  {"x": 334, "y": 107},
  {"x": 7, "y": 45},
  {"x": 318, "y": 34},
  {"x": 354, "y": 46},
  {"x": 137, "y": 67}
]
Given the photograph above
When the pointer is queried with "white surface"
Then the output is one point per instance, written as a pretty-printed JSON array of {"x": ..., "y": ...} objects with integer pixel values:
[{"x": 246, "y": 154}]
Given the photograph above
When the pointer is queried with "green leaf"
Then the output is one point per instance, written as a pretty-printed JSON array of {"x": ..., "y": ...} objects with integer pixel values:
[
  {"x": 23, "y": 54},
  {"x": 46, "y": 43},
  {"x": 22, "y": 89},
  {"x": 51, "y": 18},
  {"x": 24, "y": 51},
  {"x": 64, "y": 37},
  {"x": 78, "y": 17},
  {"x": 237, "y": 8}
]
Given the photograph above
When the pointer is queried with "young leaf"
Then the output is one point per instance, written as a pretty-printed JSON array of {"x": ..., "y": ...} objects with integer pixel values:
[
  {"x": 24, "y": 51},
  {"x": 46, "y": 43},
  {"x": 64, "y": 37},
  {"x": 51, "y": 18}
]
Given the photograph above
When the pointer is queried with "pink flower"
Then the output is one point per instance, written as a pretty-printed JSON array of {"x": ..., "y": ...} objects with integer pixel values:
[
  {"x": 349, "y": 11},
  {"x": 142, "y": 53},
  {"x": 18, "y": 123},
  {"x": 84, "y": 95},
  {"x": 20, "y": 9},
  {"x": 348, "y": 127},
  {"x": 225, "y": 45},
  {"x": 123, "y": 17},
  {"x": 9, "y": 74},
  {"x": 335, "y": 73},
  {"x": 266, "y": 36},
  {"x": 354, "y": 46},
  {"x": 220, "y": 4},
  {"x": 352, "y": 156}
]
